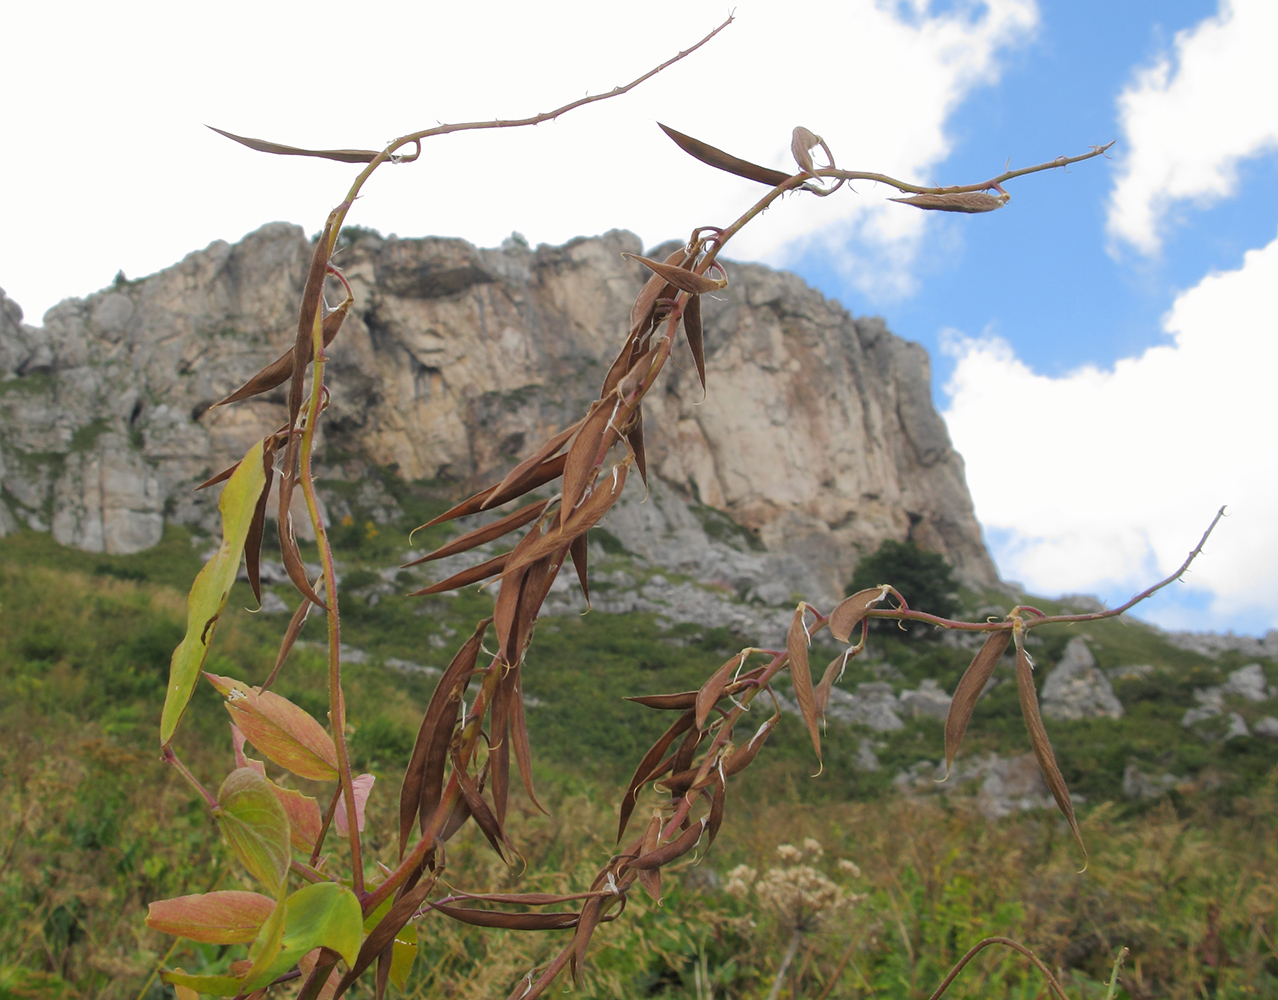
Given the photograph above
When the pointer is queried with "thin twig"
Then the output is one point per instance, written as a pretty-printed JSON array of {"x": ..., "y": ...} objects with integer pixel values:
[{"x": 1008, "y": 942}]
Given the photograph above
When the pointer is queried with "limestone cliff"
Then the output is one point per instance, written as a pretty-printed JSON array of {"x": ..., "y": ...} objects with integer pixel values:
[{"x": 817, "y": 433}]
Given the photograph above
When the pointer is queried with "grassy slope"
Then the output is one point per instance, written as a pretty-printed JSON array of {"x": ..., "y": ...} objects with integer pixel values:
[{"x": 93, "y": 826}]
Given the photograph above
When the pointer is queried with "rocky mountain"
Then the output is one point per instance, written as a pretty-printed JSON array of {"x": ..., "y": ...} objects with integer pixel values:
[{"x": 816, "y": 437}]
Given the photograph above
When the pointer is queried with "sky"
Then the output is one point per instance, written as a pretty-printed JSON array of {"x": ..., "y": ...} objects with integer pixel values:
[{"x": 1101, "y": 346}]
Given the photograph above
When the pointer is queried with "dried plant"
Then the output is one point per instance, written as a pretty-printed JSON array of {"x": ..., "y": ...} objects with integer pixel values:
[{"x": 459, "y": 770}]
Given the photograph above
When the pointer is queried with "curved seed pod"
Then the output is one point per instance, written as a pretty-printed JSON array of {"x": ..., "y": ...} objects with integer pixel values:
[
  {"x": 590, "y": 441},
  {"x": 383, "y": 935},
  {"x": 607, "y": 491},
  {"x": 486, "y": 533},
  {"x": 712, "y": 690},
  {"x": 682, "y": 758},
  {"x": 692, "y": 331},
  {"x": 526, "y": 898},
  {"x": 849, "y": 612},
  {"x": 650, "y": 878},
  {"x": 264, "y": 146},
  {"x": 591, "y": 912},
  {"x": 796, "y": 646},
  {"x": 424, "y": 777},
  {"x": 970, "y": 686},
  {"x": 484, "y": 817},
  {"x": 666, "y": 702},
  {"x": 718, "y": 803},
  {"x": 647, "y": 765},
  {"x": 676, "y": 848},
  {"x": 289, "y": 551},
  {"x": 467, "y": 576},
  {"x": 499, "y": 744},
  {"x": 529, "y": 466},
  {"x": 220, "y": 477},
  {"x": 506, "y": 920},
  {"x": 551, "y": 468},
  {"x": 257, "y": 527},
  {"x": 277, "y": 372},
  {"x": 634, "y": 438},
  {"x": 827, "y": 682},
  {"x": 971, "y": 202},
  {"x": 742, "y": 757},
  {"x": 714, "y": 157},
  {"x": 653, "y": 290},
  {"x": 681, "y": 277},
  {"x": 579, "y": 550},
  {"x": 802, "y": 142},
  {"x": 519, "y": 736},
  {"x": 1038, "y": 739}
]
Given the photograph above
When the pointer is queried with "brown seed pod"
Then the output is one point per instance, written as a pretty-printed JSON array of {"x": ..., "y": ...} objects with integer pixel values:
[
  {"x": 1039, "y": 741},
  {"x": 969, "y": 689},
  {"x": 971, "y": 202},
  {"x": 796, "y": 645},
  {"x": 849, "y": 612},
  {"x": 681, "y": 277},
  {"x": 717, "y": 158}
]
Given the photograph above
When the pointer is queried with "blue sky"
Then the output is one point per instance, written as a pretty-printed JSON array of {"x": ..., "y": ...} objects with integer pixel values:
[{"x": 1102, "y": 347}]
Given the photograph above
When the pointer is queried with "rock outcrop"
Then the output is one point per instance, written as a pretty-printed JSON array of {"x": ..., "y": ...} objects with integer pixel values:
[
  {"x": 817, "y": 435},
  {"x": 1076, "y": 688}
]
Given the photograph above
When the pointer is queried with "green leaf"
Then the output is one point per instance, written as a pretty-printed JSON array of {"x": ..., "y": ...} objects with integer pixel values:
[
  {"x": 255, "y": 826},
  {"x": 225, "y": 917},
  {"x": 211, "y": 587},
  {"x": 265, "y": 952},
  {"x": 288, "y": 735},
  {"x": 324, "y": 915},
  {"x": 218, "y": 986}
]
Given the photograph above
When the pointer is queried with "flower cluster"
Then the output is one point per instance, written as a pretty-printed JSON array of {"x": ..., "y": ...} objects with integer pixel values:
[{"x": 798, "y": 893}]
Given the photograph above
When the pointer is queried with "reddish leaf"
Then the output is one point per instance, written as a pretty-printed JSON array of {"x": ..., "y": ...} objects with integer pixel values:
[
  {"x": 712, "y": 690},
  {"x": 648, "y": 764},
  {"x": 551, "y": 468},
  {"x": 286, "y": 734},
  {"x": 676, "y": 848},
  {"x": 361, "y": 787},
  {"x": 226, "y": 917},
  {"x": 466, "y": 577}
]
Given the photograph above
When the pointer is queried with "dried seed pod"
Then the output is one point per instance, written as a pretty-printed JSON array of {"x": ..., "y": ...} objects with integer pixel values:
[
  {"x": 264, "y": 146},
  {"x": 969, "y": 688},
  {"x": 692, "y": 331},
  {"x": 681, "y": 278},
  {"x": 712, "y": 690},
  {"x": 650, "y": 878},
  {"x": 673, "y": 849},
  {"x": 424, "y": 777},
  {"x": 666, "y": 702},
  {"x": 802, "y": 142},
  {"x": 551, "y": 468},
  {"x": 484, "y": 570},
  {"x": 971, "y": 202},
  {"x": 1038, "y": 738},
  {"x": 849, "y": 612},
  {"x": 717, "y": 158},
  {"x": 506, "y": 920},
  {"x": 483, "y": 534},
  {"x": 648, "y": 765},
  {"x": 519, "y": 737},
  {"x": 796, "y": 646},
  {"x": 257, "y": 527}
]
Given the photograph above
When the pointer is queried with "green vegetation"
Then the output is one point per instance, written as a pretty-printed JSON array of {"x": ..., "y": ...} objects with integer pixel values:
[
  {"x": 924, "y": 579},
  {"x": 94, "y": 826}
]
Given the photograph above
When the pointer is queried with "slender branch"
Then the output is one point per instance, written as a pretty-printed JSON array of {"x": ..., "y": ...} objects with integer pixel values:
[
  {"x": 170, "y": 757},
  {"x": 906, "y": 186},
  {"x": 1015, "y": 946}
]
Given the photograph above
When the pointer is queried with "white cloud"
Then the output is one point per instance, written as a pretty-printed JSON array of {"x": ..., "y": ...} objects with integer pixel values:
[
  {"x": 120, "y": 173},
  {"x": 1189, "y": 119},
  {"x": 1102, "y": 480}
]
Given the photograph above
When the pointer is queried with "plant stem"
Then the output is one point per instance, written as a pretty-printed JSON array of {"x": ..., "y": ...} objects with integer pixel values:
[{"x": 791, "y": 948}]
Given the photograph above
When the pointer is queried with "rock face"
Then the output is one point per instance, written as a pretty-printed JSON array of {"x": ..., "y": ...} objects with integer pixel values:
[
  {"x": 1076, "y": 688},
  {"x": 817, "y": 434}
]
